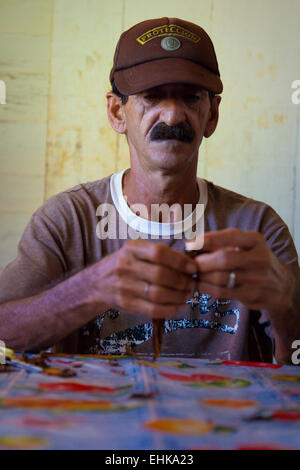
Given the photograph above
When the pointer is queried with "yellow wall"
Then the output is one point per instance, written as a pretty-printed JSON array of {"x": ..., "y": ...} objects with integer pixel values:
[{"x": 55, "y": 57}]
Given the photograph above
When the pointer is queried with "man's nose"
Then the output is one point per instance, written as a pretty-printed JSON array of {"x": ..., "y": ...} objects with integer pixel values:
[{"x": 172, "y": 112}]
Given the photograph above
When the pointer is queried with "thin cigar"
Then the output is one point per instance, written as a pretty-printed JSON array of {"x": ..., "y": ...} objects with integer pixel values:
[
  {"x": 159, "y": 323},
  {"x": 130, "y": 352},
  {"x": 193, "y": 254},
  {"x": 157, "y": 337}
]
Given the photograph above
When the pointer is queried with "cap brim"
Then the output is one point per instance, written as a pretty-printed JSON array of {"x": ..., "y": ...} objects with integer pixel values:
[{"x": 162, "y": 71}]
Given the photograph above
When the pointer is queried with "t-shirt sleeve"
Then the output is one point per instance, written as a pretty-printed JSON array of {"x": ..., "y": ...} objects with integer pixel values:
[
  {"x": 279, "y": 238},
  {"x": 40, "y": 262}
]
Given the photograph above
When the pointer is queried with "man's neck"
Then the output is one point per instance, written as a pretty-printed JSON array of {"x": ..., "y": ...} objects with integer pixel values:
[{"x": 150, "y": 189}]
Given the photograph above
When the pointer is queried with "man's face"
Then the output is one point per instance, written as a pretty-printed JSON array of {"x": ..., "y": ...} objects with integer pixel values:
[{"x": 165, "y": 125}]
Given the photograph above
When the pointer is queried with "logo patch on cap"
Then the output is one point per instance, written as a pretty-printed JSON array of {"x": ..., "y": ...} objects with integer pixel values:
[
  {"x": 170, "y": 43},
  {"x": 168, "y": 30}
]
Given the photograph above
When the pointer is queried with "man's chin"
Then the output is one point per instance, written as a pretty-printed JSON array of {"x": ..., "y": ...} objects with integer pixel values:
[
  {"x": 171, "y": 154},
  {"x": 169, "y": 160},
  {"x": 171, "y": 150}
]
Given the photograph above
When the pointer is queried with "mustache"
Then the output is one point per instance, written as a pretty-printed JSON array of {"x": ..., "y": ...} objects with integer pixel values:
[{"x": 182, "y": 132}]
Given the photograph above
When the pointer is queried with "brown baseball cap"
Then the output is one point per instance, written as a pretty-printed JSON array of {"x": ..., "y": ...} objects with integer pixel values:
[{"x": 165, "y": 50}]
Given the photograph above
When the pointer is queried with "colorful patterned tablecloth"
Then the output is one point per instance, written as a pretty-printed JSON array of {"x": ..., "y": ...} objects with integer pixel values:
[{"x": 124, "y": 403}]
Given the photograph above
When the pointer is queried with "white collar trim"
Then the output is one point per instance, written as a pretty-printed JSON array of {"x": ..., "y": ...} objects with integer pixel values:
[{"x": 151, "y": 227}]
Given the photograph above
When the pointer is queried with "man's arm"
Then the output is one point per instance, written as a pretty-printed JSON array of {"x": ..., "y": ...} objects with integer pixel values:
[
  {"x": 285, "y": 318},
  {"x": 39, "y": 321},
  {"x": 117, "y": 281}
]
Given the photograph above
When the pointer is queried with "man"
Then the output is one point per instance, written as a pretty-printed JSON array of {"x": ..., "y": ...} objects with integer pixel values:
[{"x": 78, "y": 278}]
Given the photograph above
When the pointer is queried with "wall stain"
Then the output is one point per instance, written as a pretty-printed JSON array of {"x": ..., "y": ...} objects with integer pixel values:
[
  {"x": 103, "y": 131},
  {"x": 272, "y": 69},
  {"x": 97, "y": 55},
  {"x": 65, "y": 151},
  {"x": 65, "y": 156},
  {"x": 89, "y": 62},
  {"x": 279, "y": 118},
  {"x": 263, "y": 121},
  {"x": 216, "y": 161},
  {"x": 252, "y": 99}
]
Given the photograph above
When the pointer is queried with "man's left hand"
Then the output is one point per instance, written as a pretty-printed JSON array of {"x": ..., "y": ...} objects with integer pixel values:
[{"x": 261, "y": 280}]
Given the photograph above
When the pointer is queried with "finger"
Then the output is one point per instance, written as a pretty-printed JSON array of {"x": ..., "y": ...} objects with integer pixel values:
[
  {"x": 160, "y": 253},
  {"x": 151, "y": 292},
  {"x": 160, "y": 275},
  {"x": 248, "y": 296},
  {"x": 216, "y": 291},
  {"x": 242, "y": 277},
  {"x": 164, "y": 296},
  {"x": 229, "y": 260},
  {"x": 231, "y": 237}
]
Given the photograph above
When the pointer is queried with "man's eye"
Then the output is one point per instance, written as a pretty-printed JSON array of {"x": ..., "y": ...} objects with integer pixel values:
[
  {"x": 192, "y": 98},
  {"x": 151, "y": 97}
]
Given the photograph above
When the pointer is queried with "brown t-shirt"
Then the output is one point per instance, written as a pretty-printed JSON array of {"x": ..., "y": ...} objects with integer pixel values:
[{"x": 65, "y": 235}]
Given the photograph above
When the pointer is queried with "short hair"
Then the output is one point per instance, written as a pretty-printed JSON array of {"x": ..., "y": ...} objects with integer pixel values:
[
  {"x": 124, "y": 98},
  {"x": 211, "y": 95}
]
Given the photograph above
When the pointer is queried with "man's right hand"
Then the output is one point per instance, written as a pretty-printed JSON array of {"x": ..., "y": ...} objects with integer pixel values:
[{"x": 144, "y": 277}]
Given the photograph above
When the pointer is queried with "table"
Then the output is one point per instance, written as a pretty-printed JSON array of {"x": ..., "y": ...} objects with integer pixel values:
[{"x": 174, "y": 403}]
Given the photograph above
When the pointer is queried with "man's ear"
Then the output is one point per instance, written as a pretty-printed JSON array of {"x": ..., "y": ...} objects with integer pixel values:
[
  {"x": 213, "y": 117},
  {"x": 115, "y": 113}
]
